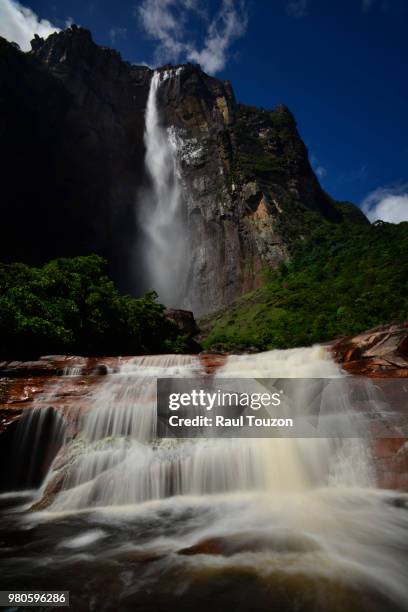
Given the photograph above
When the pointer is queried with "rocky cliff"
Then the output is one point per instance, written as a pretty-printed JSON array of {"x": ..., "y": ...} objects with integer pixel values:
[
  {"x": 249, "y": 188},
  {"x": 72, "y": 150},
  {"x": 73, "y": 159}
]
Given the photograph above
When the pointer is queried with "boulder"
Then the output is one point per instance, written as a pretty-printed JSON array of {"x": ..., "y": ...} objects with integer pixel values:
[
  {"x": 380, "y": 352},
  {"x": 184, "y": 319}
]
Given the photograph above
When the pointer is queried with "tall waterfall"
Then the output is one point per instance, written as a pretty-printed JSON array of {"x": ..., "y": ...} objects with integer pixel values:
[{"x": 161, "y": 206}]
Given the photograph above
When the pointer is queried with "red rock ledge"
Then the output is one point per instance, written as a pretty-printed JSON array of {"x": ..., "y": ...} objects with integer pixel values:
[{"x": 381, "y": 352}]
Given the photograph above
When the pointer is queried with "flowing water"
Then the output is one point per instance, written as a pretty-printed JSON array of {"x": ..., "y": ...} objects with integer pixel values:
[
  {"x": 136, "y": 523},
  {"x": 161, "y": 210}
]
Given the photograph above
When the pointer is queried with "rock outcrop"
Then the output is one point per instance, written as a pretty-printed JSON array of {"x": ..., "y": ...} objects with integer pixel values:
[
  {"x": 184, "y": 319},
  {"x": 381, "y": 352},
  {"x": 63, "y": 382}
]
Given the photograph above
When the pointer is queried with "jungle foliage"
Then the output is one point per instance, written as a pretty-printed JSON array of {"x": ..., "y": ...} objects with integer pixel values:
[
  {"x": 70, "y": 305},
  {"x": 344, "y": 279}
]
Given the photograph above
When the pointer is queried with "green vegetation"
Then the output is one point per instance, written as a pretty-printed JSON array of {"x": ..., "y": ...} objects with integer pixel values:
[
  {"x": 71, "y": 306},
  {"x": 349, "y": 212},
  {"x": 345, "y": 279},
  {"x": 255, "y": 160}
]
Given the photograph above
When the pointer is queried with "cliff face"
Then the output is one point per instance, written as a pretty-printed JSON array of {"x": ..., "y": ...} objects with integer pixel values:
[
  {"x": 72, "y": 121},
  {"x": 72, "y": 126},
  {"x": 248, "y": 185}
]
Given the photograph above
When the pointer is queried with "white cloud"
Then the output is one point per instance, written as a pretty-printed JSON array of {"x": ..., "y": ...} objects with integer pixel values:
[
  {"x": 165, "y": 21},
  {"x": 317, "y": 167},
  {"x": 160, "y": 23},
  {"x": 116, "y": 32},
  {"x": 297, "y": 8},
  {"x": 226, "y": 27},
  {"x": 387, "y": 203},
  {"x": 19, "y": 24},
  {"x": 143, "y": 63},
  {"x": 321, "y": 171}
]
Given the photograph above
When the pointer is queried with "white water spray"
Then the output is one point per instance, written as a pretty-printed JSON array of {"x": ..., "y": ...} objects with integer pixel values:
[
  {"x": 161, "y": 206},
  {"x": 117, "y": 460},
  {"x": 282, "y": 509}
]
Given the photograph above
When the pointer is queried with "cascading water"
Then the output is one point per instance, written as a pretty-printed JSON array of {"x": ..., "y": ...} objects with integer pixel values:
[
  {"x": 161, "y": 206},
  {"x": 118, "y": 433},
  {"x": 275, "y": 520},
  {"x": 29, "y": 447}
]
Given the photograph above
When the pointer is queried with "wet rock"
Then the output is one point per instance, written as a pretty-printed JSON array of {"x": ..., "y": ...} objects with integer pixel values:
[
  {"x": 51, "y": 490},
  {"x": 28, "y": 446},
  {"x": 402, "y": 348},
  {"x": 45, "y": 366},
  {"x": 212, "y": 361},
  {"x": 379, "y": 352},
  {"x": 101, "y": 369},
  {"x": 211, "y": 546},
  {"x": 387, "y": 447},
  {"x": 399, "y": 502},
  {"x": 390, "y": 457},
  {"x": 67, "y": 380},
  {"x": 60, "y": 365},
  {"x": 233, "y": 544},
  {"x": 7, "y": 416}
]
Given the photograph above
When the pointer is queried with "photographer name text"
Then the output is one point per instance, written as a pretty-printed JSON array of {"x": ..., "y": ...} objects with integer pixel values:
[{"x": 248, "y": 420}]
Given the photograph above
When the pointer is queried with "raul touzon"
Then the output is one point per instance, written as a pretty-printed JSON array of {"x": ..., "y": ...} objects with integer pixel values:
[{"x": 249, "y": 420}]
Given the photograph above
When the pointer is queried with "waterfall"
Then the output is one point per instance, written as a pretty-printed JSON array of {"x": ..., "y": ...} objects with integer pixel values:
[
  {"x": 116, "y": 459},
  {"x": 161, "y": 205},
  {"x": 287, "y": 523},
  {"x": 28, "y": 448}
]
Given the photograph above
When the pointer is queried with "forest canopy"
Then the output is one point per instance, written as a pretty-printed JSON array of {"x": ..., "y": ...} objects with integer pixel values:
[{"x": 70, "y": 305}]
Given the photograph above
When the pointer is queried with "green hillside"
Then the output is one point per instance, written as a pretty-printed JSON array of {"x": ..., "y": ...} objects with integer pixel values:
[{"x": 345, "y": 279}]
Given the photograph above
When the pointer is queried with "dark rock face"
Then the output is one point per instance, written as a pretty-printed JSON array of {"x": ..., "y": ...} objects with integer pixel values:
[
  {"x": 184, "y": 319},
  {"x": 72, "y": 149},
  {"x": 72, "y": 125}
]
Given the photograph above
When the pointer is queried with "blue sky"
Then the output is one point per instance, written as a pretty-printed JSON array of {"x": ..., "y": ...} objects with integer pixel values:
[{"x": 340, "y": 66}]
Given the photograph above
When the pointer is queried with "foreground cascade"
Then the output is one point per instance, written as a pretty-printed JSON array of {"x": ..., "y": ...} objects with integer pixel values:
[
  {"x": 300, "y": 513},
  {"x": 116, "y": 458}
]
